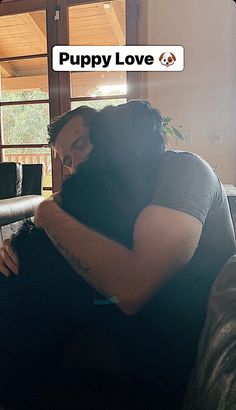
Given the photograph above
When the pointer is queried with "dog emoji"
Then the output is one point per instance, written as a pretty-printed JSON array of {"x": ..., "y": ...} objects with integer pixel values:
[{"x": 167, "y": 59}]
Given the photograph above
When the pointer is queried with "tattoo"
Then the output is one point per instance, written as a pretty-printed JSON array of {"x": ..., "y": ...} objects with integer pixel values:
[{"x": 76, "y": 264}]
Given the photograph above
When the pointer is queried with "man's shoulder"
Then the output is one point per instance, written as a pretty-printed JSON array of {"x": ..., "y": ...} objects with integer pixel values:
[
  {"x": 187, "y": 183},
  {"x": 179, "y": 157},
  {"x": 187, "y": 168}
]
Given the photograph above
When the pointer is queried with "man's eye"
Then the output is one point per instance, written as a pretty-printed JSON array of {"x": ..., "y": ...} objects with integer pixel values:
[
  {"x": 81, "y": 143},
  {"x": 67, "y": 162}
]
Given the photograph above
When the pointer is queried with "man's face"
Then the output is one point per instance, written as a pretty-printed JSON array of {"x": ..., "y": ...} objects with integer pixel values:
[{"x": 72, "y": 144}]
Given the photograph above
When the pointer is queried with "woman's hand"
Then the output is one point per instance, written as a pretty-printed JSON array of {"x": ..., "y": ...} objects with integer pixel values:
[{"x": 8, "y": 259}]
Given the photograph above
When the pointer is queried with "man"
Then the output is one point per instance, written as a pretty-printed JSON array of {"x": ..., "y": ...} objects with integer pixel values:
[
  {"x": 180, "y": 242},
  {"x": 77, "y": 148}
]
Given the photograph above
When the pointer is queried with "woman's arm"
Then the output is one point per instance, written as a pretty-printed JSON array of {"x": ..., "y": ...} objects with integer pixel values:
[
  {"x": 164, "y": 241},
  {"x": 8, "y": 259}
]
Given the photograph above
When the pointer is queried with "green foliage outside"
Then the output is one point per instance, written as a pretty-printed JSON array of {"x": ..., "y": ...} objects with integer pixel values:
[
  {"x": 24, "y": 124},
  {"x": 27, "y": 124}
]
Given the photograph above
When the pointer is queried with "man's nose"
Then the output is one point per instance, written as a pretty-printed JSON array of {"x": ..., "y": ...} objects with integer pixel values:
[
  {"x": 76, "y": 160},
  {"x": 73, "y": 168}
]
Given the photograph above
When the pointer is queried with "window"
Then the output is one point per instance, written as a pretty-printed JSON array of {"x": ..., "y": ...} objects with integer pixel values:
[
  {"x": 24, "y": 104},
  {"x": 32, "y": 94}
]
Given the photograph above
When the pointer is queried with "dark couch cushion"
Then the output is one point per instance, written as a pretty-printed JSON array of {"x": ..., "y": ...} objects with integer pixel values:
[
  {"x": 32, "y": 179},
  {"x": 11, "y": 177}
]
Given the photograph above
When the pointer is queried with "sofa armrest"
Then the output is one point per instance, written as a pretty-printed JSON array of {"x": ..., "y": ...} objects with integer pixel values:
[
  {"x": 13, "y": 211},
  {"x": 19, "y": 208}
]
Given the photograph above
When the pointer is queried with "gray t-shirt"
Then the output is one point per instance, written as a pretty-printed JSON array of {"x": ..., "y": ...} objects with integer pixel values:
[
  {"x": 188, "y": 184},
  {"x": 167, "y": 329}
]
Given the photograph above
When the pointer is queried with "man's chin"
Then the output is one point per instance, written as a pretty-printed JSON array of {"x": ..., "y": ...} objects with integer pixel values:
[{"x": 80, "y": 165}]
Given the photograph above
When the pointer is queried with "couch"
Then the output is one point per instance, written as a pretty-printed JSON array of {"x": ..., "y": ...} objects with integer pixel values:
[{"x": 20, "y": 194}]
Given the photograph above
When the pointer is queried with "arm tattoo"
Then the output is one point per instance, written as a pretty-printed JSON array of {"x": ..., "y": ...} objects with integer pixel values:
[{"x": 76, "y": 264}]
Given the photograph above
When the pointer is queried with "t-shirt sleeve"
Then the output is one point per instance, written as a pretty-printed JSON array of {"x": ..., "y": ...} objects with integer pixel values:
[{"x": 186, "y": 183}]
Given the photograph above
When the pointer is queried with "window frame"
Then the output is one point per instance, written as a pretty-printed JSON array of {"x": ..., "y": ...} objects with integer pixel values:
[{"x": 58, "y": 33}]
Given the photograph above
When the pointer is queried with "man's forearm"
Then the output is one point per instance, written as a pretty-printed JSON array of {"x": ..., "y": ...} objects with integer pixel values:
[
  {"x": 164, "y": 241},
  {"x": 104, "y": 263}
]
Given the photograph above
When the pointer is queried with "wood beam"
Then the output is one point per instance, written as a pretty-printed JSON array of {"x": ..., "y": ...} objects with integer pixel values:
[
  {"x": 21, "y": 6},
  {"x": 79, "y": 2},
  {"x": 81, "y": 85},
  {"x": 25, "y": 57},
  {"x": 35, "y": 82},
  {"x": 7, "y": 70},
  {"x": 39, "y": 25},
  {"x": 115, "y": 15}
]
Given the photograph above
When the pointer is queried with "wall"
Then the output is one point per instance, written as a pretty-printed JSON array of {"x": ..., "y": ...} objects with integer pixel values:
[{"x": 202, "y": 98}]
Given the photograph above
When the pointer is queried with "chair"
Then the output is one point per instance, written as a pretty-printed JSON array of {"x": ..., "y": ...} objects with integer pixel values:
[
  {"x": 11, "y": 177},
  {"x": 20, "y": 179},
  {"x": 20, "y": 194}
]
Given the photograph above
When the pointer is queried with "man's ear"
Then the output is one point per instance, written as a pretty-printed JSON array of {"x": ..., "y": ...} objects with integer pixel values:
[{"x": 54, "y": 153}]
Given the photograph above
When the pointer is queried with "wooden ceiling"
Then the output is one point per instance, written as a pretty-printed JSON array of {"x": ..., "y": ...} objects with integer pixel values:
[{"x": 101, "y": 23}]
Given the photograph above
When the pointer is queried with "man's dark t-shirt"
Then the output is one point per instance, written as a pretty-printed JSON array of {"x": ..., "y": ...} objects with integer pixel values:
[{"x": 165, "y": 333}]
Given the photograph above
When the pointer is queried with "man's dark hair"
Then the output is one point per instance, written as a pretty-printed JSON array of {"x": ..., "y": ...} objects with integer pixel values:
[{"x": 87, "y": 113}]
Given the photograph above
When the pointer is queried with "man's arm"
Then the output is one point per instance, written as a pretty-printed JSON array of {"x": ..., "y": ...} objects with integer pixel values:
[{"x": 164, "y": 241}]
